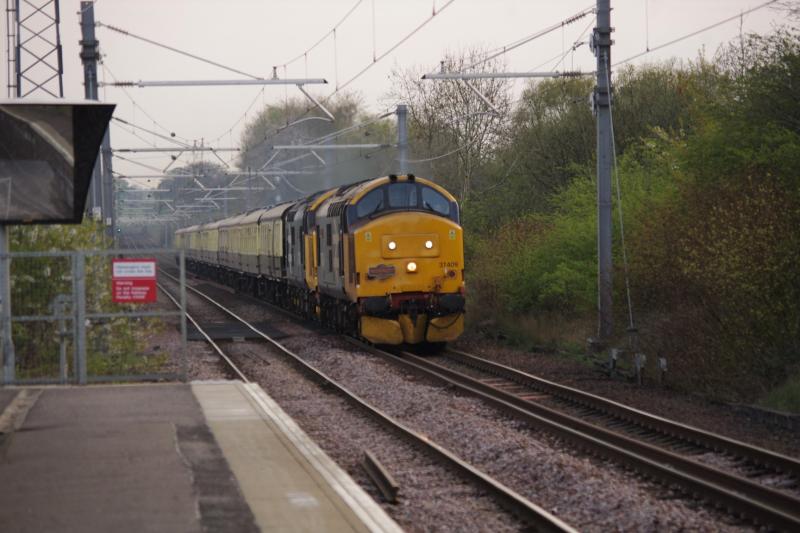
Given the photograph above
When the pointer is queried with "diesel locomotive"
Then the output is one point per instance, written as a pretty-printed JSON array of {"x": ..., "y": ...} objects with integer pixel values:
[{"x": 381, "y": 259}]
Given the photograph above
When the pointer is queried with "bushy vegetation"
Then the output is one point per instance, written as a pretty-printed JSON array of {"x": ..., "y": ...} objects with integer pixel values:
[
  {"x": 113, "y": 347},
  {"x": 708, "y": 156}
]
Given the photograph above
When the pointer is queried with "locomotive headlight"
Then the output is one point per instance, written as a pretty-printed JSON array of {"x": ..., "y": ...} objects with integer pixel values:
[
  {"x": 411, "y": 266},
  {"x": 392, "y": 245},
  {"x": 428, "y": 244}
]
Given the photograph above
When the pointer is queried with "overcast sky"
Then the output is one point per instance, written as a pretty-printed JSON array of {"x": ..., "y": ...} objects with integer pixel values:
[{"x": 255, "y": 35}]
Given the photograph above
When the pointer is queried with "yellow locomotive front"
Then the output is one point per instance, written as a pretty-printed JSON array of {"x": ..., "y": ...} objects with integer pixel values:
[{"x": 405, "y": 245}]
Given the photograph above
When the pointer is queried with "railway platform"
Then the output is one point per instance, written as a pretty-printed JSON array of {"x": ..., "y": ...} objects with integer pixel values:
[{"x": 204, "y": 456}]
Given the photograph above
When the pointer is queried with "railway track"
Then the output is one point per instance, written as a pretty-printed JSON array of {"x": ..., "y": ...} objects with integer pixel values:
[
  {"x": 681, "y": 438},
  {"x": 523, "y": 508},
  {"x": 653, "y": 446}
]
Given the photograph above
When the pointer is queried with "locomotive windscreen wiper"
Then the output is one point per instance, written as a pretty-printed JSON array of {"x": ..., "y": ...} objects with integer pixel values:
[{"x": 375, "y": 211}]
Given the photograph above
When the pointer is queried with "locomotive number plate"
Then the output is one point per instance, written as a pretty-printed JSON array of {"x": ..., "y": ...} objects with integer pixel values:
[
  {"x": 448, "y": 264},
  {"x": 381, "y": 272}
]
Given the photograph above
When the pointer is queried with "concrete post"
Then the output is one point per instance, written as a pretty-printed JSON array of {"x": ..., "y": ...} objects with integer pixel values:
[
  {"x": 109, "y": 211},
  {"x": 9, "y": 357},
  {"x": 402, "y": 139},
  {"x": 184, "y": 353},
  {"x": 601, "y": 44},
  {"x": 98, "y": 194},
  {"x": 80, "y": 317}
]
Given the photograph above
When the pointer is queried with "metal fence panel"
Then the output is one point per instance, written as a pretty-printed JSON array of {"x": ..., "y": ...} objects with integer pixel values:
[
  {"x": 66, "y": 328},
  {"x": 43, "y": 320}
]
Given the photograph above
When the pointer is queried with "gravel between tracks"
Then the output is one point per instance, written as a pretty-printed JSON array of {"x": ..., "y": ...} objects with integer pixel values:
[
  {"x": 691, "y": 410},
  {"x": 432, "y": 497},
  {"x": 202, "y": 362},
  {"x": 591, "y": 495}
]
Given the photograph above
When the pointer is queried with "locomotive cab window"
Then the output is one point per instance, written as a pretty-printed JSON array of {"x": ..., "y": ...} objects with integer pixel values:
[
  {"x": 403, "y": 196},
  {"x": 370, "y": 204},
  {"x": 434, "y": 201}
]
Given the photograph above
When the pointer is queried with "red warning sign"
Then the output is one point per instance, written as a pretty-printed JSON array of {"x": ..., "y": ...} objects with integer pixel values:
[{"x": 133, "y": 280}]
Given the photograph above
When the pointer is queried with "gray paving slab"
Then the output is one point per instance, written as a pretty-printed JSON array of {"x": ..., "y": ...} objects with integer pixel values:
[
  {"x": 315, "y": 493},
  {"x": 120, "y": 459},
  {"x": 6, "y": 395}
]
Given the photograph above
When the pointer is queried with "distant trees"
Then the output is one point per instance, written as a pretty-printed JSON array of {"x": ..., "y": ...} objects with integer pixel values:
[{"x": 296, "y": 122}]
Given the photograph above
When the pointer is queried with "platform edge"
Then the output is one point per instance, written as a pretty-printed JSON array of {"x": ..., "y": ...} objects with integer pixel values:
[{"x": 363, "y": 506}]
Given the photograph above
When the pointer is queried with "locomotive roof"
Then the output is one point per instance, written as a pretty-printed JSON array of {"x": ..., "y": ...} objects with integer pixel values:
[{"x": 354, "y": 192}]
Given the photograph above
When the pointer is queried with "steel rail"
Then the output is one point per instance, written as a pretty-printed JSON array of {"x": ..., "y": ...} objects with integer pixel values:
[
  {"x": 756, "y": 502},
  {"x": 706, "y": 439},
  {"x": 213, "y": 344},
  {"x": 508, "y": 498}
]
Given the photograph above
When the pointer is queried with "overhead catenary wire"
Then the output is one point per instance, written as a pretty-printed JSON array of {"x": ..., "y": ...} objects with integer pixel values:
[
  {"x": 305, "y": 53},
  {"x": 694, "y": 33},
  {"x": 241, "y": 117},
  {"x": 575, "y": 45},
  {"x": 327, "y": 136},
  {"x": 181, "y": 144},
  {"x": 391, "y": 49},
  {"x": 442, "y": 156},
  {"x": 143, "y": 110},
  {"x": 374, "y": 30},
  {"x": 366, "y": 155},
  {"x": 631, "y": 323},
  {"x": 525, "y": 40},
  {"x": 149, "y": 167},
  {"x": 132, "y": 131},
  {"x": 176, "y": 50},
  {"x": 363, "y": 70}
]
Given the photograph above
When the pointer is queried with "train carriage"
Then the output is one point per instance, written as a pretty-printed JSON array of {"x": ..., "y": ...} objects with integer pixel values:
[
  {"x": 230, "y": 244},
  {"x": 382, "y": 259}
]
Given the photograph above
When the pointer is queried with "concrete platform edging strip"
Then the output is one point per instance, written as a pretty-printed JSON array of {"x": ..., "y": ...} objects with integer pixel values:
[{"x": 344, "y": 506}]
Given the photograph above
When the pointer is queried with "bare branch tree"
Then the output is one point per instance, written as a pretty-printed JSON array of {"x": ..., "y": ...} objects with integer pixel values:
[
  {"x": 792, "y": 7},
  {"x": 453, "y": 132}
]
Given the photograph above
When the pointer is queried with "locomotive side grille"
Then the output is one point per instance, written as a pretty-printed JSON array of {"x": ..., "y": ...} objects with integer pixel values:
[{"x": 336, "y": 208}]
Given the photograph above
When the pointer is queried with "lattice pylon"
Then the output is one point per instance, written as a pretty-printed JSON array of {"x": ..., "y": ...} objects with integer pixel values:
[{"x": 35, "y": 64}]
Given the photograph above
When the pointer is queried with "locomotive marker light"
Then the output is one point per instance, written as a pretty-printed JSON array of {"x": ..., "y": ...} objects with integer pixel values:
[
  {"x": 428, "y": 244},
  {"x": 392, "y": 245},
  {"x": 47, "y": 153},
  {"x": 411, "y": 267}
]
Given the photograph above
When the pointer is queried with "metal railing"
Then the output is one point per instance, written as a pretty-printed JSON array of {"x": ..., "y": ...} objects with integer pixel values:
[{"x": 65, "y": 328}]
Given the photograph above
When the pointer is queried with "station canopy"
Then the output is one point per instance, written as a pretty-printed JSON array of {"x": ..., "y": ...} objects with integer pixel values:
[{"x": 47, "y": 154}]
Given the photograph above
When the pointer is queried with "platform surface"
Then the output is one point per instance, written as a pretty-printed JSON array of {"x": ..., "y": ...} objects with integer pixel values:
[{"x": 209, "y": 456}]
